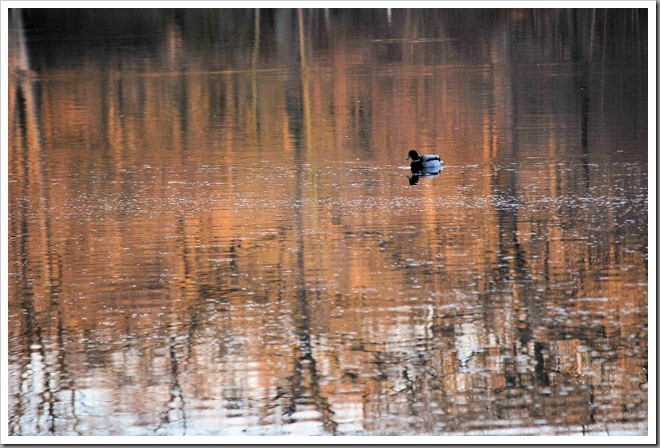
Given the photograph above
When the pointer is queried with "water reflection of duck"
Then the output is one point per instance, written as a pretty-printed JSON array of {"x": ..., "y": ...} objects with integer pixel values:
[
  {"x": 419, "y": 163},
  {"x": 414, "y": 179}
]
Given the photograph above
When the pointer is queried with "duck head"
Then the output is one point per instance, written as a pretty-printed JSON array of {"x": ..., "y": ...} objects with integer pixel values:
[{"x": 412, "y": 154}]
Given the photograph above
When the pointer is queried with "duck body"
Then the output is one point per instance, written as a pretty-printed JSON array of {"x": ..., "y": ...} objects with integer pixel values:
[{"x": 420, "y": 163}]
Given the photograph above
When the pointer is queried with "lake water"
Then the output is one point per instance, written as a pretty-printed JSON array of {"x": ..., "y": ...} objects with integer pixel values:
[{"x": 212, "y": 229}]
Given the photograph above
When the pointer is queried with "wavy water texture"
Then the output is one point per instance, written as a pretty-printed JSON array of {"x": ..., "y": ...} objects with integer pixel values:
[{"x": 212, "y": 230}]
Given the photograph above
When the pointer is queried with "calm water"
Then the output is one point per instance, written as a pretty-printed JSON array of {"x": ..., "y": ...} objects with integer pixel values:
[{"x": 212, "y": 230}]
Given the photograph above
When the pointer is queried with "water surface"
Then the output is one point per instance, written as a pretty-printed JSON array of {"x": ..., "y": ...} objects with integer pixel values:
[{"x": 212, "y": 230}]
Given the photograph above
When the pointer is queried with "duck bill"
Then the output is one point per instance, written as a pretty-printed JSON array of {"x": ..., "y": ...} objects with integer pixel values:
[{"x": 407, "y": 158}]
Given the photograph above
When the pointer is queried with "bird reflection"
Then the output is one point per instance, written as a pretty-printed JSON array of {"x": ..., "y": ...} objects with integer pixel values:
[{"x": 424, "y": 172}]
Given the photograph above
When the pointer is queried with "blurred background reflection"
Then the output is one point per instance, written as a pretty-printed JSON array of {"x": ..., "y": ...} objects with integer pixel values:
[{"x": 211, "y": 230}]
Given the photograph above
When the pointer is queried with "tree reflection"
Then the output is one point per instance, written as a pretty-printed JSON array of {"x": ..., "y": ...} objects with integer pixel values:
[{"x": 210, "y": 211}]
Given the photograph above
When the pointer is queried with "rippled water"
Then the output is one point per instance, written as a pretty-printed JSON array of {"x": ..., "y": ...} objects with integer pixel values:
[{"x": 213, "y": 237}]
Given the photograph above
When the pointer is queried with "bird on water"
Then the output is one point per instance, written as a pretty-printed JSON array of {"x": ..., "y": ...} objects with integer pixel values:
[{"x": 423, "y": 162}]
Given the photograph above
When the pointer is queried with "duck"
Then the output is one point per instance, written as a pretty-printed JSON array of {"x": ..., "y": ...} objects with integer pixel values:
[{"x": 424, "y": 162}]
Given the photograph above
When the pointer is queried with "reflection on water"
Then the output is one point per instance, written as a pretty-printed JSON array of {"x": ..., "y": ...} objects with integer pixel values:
[{"x": 212, "y": 230}]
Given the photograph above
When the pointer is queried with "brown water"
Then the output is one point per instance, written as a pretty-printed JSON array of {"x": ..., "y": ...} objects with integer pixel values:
[{"x": 209, "y": 236}]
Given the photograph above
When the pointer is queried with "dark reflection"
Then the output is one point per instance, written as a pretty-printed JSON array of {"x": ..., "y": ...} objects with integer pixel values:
[
  {"x": 303, "y": 389},
  {"x": 208, "y": 234},
  {"x": 413, "y": 179},
  {"x": 175, "y": 408}
]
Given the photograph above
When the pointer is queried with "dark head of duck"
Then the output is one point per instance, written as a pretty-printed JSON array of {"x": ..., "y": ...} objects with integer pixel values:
[{"x": 412, "y": 155}]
